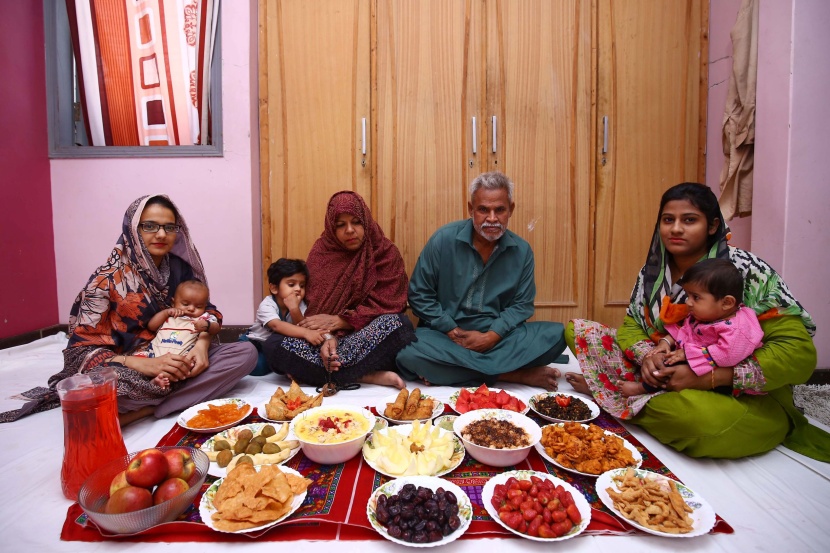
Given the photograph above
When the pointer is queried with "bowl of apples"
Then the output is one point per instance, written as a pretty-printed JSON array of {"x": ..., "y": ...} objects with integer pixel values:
[{"x": 143, "y": 489}]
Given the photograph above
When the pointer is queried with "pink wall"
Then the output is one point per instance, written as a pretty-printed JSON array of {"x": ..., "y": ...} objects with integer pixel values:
[
  {"x": 28, "y": 294},
  {"x": 791, "y": 191},
  {"x": 215, "y": 195}
]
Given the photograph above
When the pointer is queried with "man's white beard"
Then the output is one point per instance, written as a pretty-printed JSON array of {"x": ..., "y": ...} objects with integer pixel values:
[{"x": 490, "y": 237}]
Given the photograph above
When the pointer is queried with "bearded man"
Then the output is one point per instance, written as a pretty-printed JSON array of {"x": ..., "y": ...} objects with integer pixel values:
[{"x": 473, "y": 290}]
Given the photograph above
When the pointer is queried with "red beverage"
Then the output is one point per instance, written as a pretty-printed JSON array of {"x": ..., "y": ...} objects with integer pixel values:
[{"x": 91, "y": 432}]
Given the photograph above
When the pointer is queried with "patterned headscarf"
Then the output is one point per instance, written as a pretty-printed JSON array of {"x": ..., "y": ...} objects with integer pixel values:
[
  {"x": 656, "y": 302},
  {"x": 122, "y": 295},
  {"x": 356, "y": 285}
]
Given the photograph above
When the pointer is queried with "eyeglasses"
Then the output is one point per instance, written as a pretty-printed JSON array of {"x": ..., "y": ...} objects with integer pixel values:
[{"x": 152, "y": 226}]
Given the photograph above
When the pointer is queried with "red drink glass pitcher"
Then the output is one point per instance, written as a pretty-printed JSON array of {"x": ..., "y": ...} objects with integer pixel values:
[{"x": 91, "y": 431}]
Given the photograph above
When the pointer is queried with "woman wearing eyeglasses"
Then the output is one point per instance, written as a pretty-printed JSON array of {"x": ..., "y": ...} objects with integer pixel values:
[{"x": 110, "y": 318}]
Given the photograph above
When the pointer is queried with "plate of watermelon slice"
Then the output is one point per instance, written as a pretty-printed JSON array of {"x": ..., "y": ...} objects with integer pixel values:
[{"x": 470, "y": 399}]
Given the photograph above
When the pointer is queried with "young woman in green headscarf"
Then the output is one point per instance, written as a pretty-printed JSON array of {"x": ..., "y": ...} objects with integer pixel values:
[{"x": 731, "y": 412}]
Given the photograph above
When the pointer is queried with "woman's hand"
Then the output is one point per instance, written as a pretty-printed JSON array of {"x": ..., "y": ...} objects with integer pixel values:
[
  {"x": 172, "y": 366},
  {"x": 197, "y": 358},
  {"x": 328, "y": 353},
  {"x": 682, "y": 377},
  {"x": 325, "y": 323},
  {"x": 651, "y": 369}
]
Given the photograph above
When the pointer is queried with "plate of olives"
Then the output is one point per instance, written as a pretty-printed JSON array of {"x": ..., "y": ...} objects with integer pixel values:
[
  {"x": 261, "y": 441},
  {"x": 420, "y": 511}
]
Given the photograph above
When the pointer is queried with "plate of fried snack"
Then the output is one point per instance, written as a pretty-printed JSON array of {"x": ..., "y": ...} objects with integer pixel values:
[
  {"x": 284, "y": 406},
  {"x": 406, "y": 406},
  {"x": 655, "y": 503},
  {"x": 413, "y": 449},
  {"x": 256, "y": 444},
  {"x": 215, "y": 415},
  {"x": 586, "y": 449},
  {"x": 252, "y": 498}
]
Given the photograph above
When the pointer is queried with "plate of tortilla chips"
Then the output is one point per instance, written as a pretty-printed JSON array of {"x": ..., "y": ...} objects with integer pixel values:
[
  {"x": 405, "y": 407},
  {"x": 284, "y": 406},
  {"x": 655, "y": 503},
  {"x": 252, "y": 498}
]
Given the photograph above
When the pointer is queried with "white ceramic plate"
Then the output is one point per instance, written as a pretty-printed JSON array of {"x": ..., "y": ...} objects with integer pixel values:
[
  {"x": 445, "y": 421},
  {"x": 538, "y": 397},
  {"x": 188, "y": 414},
  {"x": 437, "y": 409},
  {"x": 221, "y": 472},
  {"x": 406, "y": 429},
  {"x": 263, "y": 414},
  {"x": 634, "y": 453},
  {"x": 465, "y": 508},
  {"x": 579, "y": 500},
  {"x": 206, "y": 508},
  {"x": 454, "y": 398},
  {"x": 703, "y": 516}
]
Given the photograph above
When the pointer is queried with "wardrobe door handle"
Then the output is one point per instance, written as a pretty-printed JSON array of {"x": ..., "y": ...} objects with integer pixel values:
[
  {"x": 363, "y": 141},
  {"x": 604, "y": 134},
  {"x": 474, "y": 136},
  {"x": 494, "y": 134}
]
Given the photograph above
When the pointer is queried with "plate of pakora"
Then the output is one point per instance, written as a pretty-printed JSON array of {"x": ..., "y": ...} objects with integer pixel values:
[
  {"x": 586, "y": 449},
  {"x": 284, "y": 406},
  {"x": 215, "y": 415},
  {"x": 655, "y": 503},
  {"x": 252, "y": 498}
]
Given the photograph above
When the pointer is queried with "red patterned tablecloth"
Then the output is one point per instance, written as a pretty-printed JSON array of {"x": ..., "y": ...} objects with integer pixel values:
[{"x": 335, "y": 507}]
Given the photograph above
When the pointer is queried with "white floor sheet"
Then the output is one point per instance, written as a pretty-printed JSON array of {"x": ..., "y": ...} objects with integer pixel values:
[{"x": 779, "y": 501}]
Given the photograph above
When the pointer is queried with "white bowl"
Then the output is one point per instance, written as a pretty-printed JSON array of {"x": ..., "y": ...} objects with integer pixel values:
[
  {"x": 492, "y": 456},
  {"x": 337, "y": 452}
]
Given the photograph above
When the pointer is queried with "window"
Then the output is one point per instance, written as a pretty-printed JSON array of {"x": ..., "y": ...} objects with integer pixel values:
[{"x": 67, "y": 131}]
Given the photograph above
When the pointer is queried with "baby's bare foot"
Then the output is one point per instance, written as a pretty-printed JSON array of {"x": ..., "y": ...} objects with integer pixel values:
[{"x": 628, "y": 389}]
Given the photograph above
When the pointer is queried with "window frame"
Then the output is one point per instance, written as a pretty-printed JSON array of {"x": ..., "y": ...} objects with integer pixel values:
[{"x": 59, "y": 95}]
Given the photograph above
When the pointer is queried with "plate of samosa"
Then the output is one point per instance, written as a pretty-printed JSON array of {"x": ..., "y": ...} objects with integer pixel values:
[{"x": 285, "y": 406}]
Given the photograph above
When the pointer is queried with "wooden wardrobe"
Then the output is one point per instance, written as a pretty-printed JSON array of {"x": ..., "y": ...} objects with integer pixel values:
[{"x": 592, "y": 107}]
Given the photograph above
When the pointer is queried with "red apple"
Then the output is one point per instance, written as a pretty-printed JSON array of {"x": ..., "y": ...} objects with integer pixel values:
[
  {"x": 180, "y": 463},
  {"x": 128, "y": 499},
  {"x": 120, "y": 481},
  {"x": 169, "y": 489},
  {"x": 147, "y": 469}
]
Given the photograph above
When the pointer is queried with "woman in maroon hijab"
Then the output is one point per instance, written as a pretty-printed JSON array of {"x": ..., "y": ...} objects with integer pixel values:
[{"x": 356, "y": 293}]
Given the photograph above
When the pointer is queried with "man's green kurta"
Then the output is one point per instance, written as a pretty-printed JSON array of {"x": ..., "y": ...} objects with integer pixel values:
[{"x": 450, "y": 287}]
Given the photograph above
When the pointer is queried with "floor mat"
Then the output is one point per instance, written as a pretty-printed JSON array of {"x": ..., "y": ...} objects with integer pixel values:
[{"x": 814, "y": 401}]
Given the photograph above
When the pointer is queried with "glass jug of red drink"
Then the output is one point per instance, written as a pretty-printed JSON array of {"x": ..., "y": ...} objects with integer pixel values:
[{"x": 91, "y": 431}]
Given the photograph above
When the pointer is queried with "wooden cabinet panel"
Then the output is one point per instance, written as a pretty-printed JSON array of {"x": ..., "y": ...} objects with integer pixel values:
[
  {"x": 420, "y": 71},
  {"x": 426, "y": 79},
  {"x": 315, "y": 91},
  {"x": 539, "y": 88},
  {"x": 651, "y": 83}
]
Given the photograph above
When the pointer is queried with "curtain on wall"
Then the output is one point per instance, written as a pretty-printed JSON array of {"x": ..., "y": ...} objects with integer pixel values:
[{"x": 144, "y": 69}]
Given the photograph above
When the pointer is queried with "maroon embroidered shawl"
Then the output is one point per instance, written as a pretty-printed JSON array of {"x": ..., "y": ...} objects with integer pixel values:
[{"x": 358, "y": 286}]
